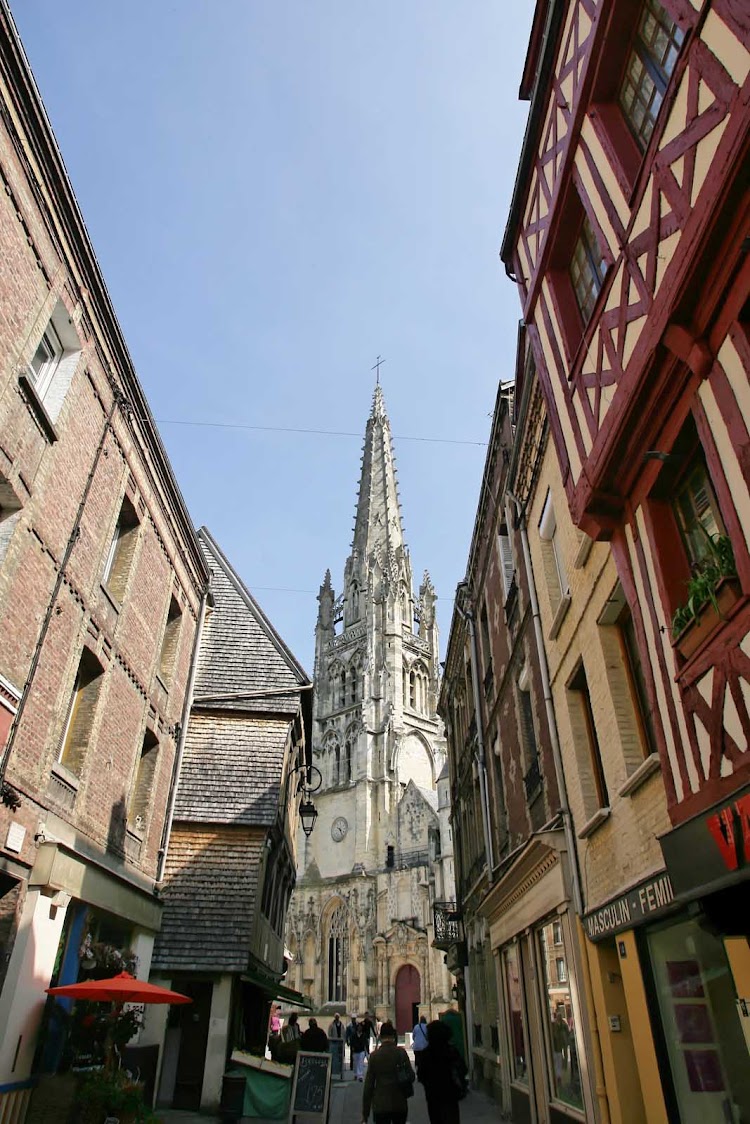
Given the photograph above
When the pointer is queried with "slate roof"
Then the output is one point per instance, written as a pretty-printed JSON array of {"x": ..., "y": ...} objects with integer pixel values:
[
  {"x": 210, "y": 896},
  {"x": 231, "y": 768},
  {"x": 242, "y": 660}
]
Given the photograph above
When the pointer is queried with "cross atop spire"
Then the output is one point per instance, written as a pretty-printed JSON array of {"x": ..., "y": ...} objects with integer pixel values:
[{"x": 379, "y": 363}]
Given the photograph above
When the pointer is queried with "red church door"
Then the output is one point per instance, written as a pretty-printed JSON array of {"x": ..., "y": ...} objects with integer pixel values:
[{"x": 407, "y": 998}]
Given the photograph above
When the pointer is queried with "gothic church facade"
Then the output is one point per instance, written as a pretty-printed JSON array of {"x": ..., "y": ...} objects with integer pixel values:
[{"x": 360, "y": 926}]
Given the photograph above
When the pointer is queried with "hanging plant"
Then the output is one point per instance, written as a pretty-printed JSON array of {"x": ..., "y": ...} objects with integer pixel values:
[{"x": 106, "y": 958}]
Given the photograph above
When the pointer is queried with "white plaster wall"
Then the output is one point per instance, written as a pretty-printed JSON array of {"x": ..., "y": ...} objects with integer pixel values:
[
  {"x": 29, "y": 971},
  {"x": 216, "y": 1046}
]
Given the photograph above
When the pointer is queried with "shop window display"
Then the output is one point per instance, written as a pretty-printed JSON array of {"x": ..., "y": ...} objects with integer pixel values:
[
  {"x": 707, "y": 1051},
  {"x": 519, "y": 1069},
  {"x": 561, "y": 1039}
]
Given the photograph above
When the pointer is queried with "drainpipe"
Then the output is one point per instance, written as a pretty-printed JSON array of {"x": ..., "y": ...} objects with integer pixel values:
[
  {"x": 562, "y": 788},
  {"x": 468, "y": 616},
  {"x": 181, "y": 737}
]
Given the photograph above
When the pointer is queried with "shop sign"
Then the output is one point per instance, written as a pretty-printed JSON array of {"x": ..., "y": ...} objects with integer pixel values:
[
  {"x": 712, "y": 848},
  {"x": 647, "y": 900}
]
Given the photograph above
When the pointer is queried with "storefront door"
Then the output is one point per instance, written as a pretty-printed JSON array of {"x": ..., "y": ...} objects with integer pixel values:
[{"x": 703, "y": 1038}]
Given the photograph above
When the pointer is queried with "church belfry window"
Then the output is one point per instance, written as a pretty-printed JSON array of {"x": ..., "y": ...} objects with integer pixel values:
[{"x": 337, "y": 956}]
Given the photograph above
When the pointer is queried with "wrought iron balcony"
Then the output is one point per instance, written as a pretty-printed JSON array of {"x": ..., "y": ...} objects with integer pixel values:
[{"x": 448, "y": 927}]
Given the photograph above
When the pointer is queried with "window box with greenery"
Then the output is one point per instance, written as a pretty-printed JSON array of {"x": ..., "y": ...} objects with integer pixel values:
[{"x": 711, "y": 592}]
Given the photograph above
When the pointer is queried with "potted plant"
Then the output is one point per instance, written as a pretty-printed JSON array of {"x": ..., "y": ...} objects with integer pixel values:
[
  {"x": 712, "y": 590},
  {"x": 115, "y": 1094}
]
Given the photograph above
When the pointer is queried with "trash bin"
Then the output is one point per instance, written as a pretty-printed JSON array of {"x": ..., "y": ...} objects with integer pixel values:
[{"x": 232, "y": 1098}]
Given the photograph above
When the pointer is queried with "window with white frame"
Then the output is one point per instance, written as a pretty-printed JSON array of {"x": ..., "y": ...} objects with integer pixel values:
[
  {"x": 53, "y": 363},
  {"x": 507, "y": 566},
  {"x": 45, "y": 360},
  {"x": 555, "y": 577}
]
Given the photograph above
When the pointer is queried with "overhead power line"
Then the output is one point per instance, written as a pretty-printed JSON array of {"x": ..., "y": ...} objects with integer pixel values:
[{"x": 317, "y": 432}]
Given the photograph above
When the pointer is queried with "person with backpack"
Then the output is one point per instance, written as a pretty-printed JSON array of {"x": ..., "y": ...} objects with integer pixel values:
[
  {"x": 389, "y": 1081},
  {"x": 443, "y": 1073}
]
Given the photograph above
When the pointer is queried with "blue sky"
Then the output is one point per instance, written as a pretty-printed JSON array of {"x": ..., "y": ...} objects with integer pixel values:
[{"x": 277, "y": 192}]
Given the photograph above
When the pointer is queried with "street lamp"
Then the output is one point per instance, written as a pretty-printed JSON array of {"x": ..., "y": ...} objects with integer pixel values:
[{"x": 308, "y": 784}]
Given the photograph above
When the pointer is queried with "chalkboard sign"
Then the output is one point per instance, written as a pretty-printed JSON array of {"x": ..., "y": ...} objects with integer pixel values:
[{"x": 310, "y": 1086}]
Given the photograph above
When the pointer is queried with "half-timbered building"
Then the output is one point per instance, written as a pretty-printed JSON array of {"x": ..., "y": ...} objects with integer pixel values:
[{"x": 628, "y": 239}]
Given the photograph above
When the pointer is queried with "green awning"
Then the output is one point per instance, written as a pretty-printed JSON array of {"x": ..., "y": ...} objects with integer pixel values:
[
  {"x": 276, "y": 990},
  {"x": 295, "y": 997}
]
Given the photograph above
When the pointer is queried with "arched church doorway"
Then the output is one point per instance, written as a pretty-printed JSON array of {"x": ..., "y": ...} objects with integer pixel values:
[{"x": 408, "y": 994}]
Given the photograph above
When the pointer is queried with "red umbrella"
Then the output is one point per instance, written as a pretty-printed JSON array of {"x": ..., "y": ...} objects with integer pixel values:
[{"x": 122, "y": 988}]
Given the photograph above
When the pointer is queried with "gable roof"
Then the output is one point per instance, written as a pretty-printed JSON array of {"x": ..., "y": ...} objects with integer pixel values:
[{"x": 243, "y": 663}]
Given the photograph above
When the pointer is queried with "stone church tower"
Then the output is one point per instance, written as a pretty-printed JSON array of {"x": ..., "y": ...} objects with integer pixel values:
[{"x": 360, "y": 926}]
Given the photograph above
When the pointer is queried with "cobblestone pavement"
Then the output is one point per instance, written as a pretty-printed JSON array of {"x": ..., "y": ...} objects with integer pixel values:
[{"x": 346, "y": 1108}]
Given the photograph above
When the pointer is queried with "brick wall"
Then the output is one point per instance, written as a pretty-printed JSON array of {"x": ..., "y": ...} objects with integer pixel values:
[
  {"x": 625, "y": 847},
  {"x": 47, "y": 270}
]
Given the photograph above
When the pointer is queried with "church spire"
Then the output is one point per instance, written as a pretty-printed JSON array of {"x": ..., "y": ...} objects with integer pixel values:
[{"x": 378, "y": 520}]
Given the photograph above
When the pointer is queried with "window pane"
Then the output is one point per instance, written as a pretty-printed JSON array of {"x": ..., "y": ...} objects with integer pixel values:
[
  {"x": 698, "y": 1006},
  {"x": 649, "y": 67},
  {"x": 564, "y": 1071},
  {"x": 697, "y": 513},
  {"x": 586, "y": 269},
  {"x": 515, "y": 1011}
]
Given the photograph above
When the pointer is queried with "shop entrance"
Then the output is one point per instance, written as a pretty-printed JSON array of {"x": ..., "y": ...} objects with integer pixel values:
[
  {"x": 408, "y": 994},
  {"x": 192, "y": 1020}
]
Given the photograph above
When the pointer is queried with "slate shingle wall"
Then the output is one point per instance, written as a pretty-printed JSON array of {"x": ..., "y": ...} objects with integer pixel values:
[
  {"x": 231, "y": 769},
  {"x": 210, "y": 894}
]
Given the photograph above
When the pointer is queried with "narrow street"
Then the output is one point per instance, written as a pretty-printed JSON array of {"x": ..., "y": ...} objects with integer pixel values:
[{"x": 346, "y": 1108}]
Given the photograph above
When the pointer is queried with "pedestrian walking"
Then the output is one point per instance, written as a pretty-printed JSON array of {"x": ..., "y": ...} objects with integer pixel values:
[
  {"x": 443, "y": 1073},
  {"x": 314, "y": 1038},
  {"x": 358, "y": 1047},
  {"x": 387, "y": 1072},
  {"x": 370, "y": 1031},
  {"x": 291, "y": 1031},
  {"x": 350, "y": 1029},
  {"x": 336, "y": 1032},
  {"x": 419, "y": 1041}
]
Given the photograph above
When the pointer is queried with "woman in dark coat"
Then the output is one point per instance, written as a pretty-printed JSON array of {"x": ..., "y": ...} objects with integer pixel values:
[
  {"x": 382, "y": 1092},
  {"x": 443, "y": 1074}
]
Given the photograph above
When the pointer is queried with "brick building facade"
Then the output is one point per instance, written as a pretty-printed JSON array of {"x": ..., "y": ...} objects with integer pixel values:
[{"x": 101, "y": 590}]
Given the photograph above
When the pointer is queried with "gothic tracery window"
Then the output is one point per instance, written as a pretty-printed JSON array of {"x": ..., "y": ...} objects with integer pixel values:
[{"x": 337, "y": 955}]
